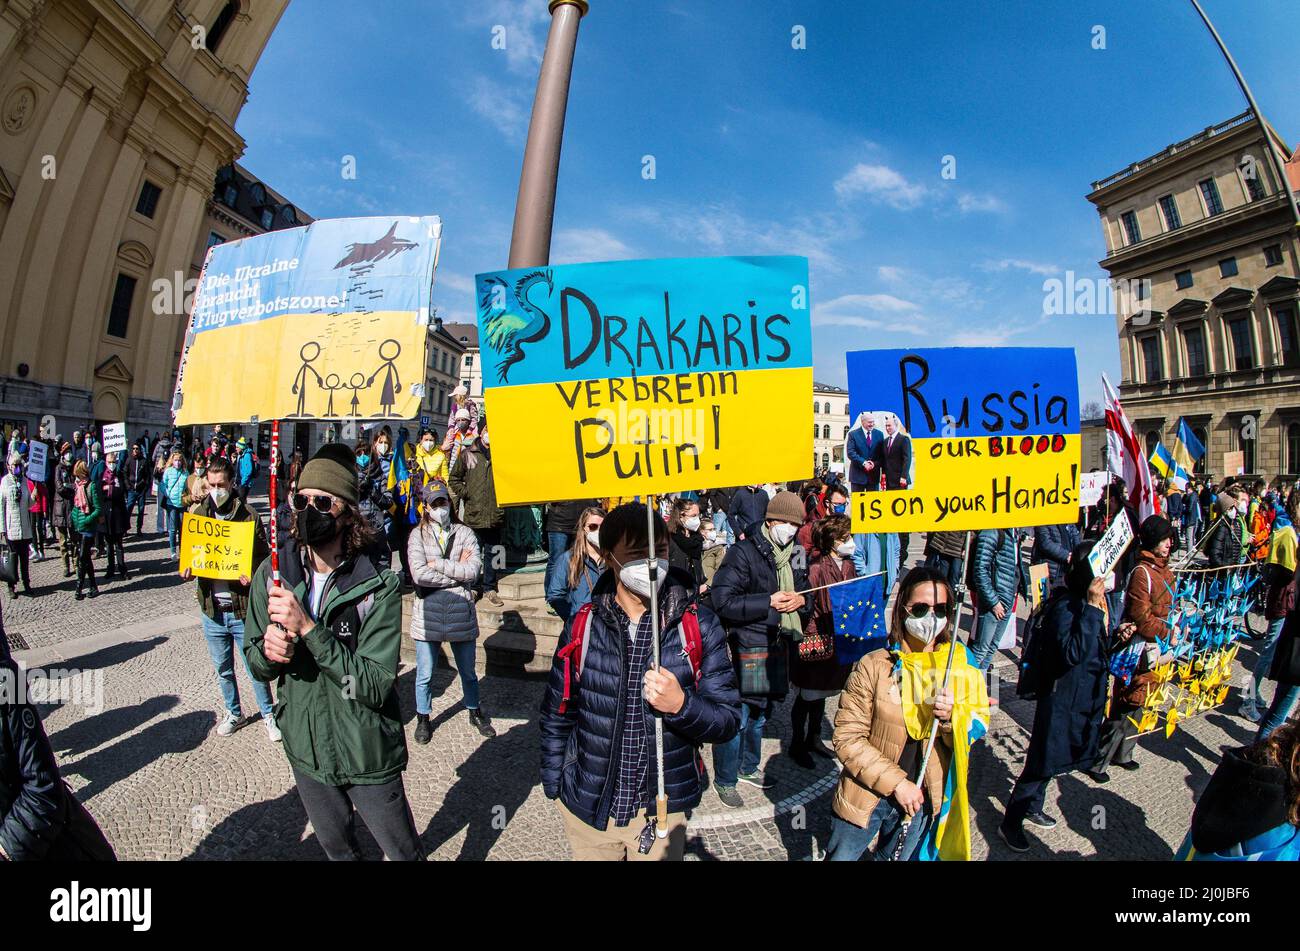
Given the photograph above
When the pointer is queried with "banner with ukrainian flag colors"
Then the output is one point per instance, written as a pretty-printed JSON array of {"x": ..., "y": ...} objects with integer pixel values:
[
  {"x": 626, "y": 378},
  {"x": 921, "y": 677},
  {"x": 326, "y": 322},
  {"x": 969, "y": 438}
]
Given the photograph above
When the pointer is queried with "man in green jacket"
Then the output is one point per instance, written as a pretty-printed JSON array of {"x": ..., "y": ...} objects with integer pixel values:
[
  {"x": 225, "y": 603},
  {"x": 330, "y": 636},
  {"x": 474, "y": 491}
]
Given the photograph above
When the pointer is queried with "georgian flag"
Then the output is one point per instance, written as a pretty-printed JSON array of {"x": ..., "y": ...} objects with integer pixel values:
[{"x": 1124, "y": 456}]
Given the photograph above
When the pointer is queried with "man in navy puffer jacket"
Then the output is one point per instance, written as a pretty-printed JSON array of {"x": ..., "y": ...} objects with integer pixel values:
[{"x": 598, "y": 757}]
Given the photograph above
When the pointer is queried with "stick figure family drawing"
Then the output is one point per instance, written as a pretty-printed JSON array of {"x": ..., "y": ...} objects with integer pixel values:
[{"x": 390, "y": 383}]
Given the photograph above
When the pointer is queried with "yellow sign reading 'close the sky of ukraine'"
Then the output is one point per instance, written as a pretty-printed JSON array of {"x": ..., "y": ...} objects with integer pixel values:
[
  {"x": 324, "y": 322},
  {"x": 963, "y": 439},
  {"x": 213, "y": 548},
  {"x": 644, "y": 377}
]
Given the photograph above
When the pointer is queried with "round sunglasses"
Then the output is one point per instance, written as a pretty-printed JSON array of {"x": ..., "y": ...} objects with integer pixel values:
[{"x": 321, "y": 503}]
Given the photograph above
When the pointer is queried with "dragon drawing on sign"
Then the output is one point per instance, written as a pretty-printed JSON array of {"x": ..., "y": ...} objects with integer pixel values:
[{"x": 507, "y": 331}]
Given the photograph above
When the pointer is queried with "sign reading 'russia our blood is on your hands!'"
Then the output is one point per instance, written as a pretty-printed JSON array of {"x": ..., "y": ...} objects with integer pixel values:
[
  {"x": 644, "y": 377},
  {"x": 981, "y": 437}
]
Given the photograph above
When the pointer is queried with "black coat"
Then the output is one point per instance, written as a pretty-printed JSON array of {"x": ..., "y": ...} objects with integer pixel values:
[
  {"x": 1052, "y": 545},
  {"x": 1286, "y": 656},
  {"x": 1067, "y": 718},
  {"x": 747, "y": 511},
  {"x": 743, "y": 587},
  {"x": 562, "y": 517},
  {"x": 580, "y": 746},
  {"x": 895, "y": 459},
  {"x": 1225, "y": 542},
  {"x": 39, "y": 816}
]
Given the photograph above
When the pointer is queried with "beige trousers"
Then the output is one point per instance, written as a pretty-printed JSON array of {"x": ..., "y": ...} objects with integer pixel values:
[{"x": 620, "y": 845}]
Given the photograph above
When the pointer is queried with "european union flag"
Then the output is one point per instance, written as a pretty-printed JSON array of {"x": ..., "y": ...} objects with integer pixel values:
[{"x": 858, "y": 609}]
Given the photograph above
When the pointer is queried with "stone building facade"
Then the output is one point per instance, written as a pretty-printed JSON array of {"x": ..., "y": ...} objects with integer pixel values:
[
  {"x": 830, "y": 426},
  {"x": 115, "y": 118},
  {"x": 1202, "y": 237}
]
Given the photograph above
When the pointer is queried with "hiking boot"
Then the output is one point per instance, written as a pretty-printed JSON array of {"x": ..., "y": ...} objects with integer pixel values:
[
  {"x": 492, "y": 598},
  {"x": 482, "y": 722},
  {"x": 423, "y": 730},
  {"x": 1014, "y": 838},
  {"x": 272, "y": 731},
  {"x": 799, "y": 753},
  {"x": 1040, "y": 819},
  {"x": 229, "y": 723},
  {"x": 729, "y": 796},
  {"x": 757, "y": 779}
]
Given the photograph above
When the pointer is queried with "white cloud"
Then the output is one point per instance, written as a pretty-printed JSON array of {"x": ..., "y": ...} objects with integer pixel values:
[
  {"x": 578, "y": 245},
  {"x": 458, "y": 283},
  {"x": 1019, "y": 264},
  {"x": 505, "y": 108},
  {"x": 525, "y": 24},
  {"x": 968, "y": 203},
  {"x": 849, "y": 310},
  {"x": 890, "y": 274},
  {"x": 881, "y": 183}
]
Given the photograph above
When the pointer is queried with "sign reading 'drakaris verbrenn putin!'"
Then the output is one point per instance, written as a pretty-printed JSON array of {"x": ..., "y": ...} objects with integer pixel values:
[
  {"x": 325, "y": 322},
  {"x": 644, "y": 377},
  {"x": 971, "y": 438}
]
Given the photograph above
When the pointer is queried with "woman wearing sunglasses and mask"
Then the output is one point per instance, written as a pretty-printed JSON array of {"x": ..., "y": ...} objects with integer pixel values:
[
  {"x": 570, "y": 589},
  {"x": 877, "y": 788},
  {"x": 330, "y": 636}
]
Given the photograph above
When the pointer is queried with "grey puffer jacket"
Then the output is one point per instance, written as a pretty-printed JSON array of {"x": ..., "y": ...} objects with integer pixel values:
[{"x": 444, "y": 575}]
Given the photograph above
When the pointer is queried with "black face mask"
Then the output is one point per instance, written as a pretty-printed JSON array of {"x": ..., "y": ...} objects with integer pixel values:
[{"x": 316, "y": 528}]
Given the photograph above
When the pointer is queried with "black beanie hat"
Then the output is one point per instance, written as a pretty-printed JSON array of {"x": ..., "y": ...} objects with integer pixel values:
[
  {"x": 334, "y": 470},
  {"x": 1155, "y": 530}
]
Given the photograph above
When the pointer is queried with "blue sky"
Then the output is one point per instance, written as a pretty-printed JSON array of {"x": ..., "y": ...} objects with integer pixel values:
[{"x": 834, "y": 152}]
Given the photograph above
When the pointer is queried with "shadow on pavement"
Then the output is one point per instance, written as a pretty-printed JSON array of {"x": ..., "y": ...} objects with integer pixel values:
[
  {"x": 133, "y": 753},
  {"x": 93, "y": 731}
]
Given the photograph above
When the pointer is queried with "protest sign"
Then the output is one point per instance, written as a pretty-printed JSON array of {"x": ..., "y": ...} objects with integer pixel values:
[
  {"x": 635, "y": 377},
  {"x": 966, "y": 453},
  {"x": 324, "y": 322},
  {"x": 1091, "y": 487},
  {"x": 115, "y": 437},
  {"x": 1111, "y": 546},
  {"x": 212, "y": 548},
  {"x": 1234, "y": 463},
  {"x": 37, "y": 460},
  {"x": 1039, "y": 576}
]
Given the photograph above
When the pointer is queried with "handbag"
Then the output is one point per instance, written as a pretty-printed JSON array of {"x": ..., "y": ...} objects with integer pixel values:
[
  {"x": 816, "y": 646},
  {"x": 8, "y": 565},
  {"x": 765, "y": 671}
]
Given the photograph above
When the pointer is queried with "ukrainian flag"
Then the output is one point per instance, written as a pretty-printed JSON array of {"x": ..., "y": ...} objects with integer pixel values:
[
  {"x": 1164, "y": 462},
  {"x": 1187, "y": 448},
  {"x": 920, "y": 677}
]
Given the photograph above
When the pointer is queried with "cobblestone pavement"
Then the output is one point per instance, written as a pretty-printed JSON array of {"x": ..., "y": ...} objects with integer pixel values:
[{"x": 144, "y": 758}]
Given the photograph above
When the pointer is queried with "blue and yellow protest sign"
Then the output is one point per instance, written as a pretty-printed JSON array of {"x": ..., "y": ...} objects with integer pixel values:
[
  {"x": 324, "y": 322},
  {"x": 972, "y": 438},
  {"x": 644, "y": 377}
]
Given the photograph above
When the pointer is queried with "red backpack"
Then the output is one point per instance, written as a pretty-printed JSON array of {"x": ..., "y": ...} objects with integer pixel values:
[{"x": 692, "y": 648}]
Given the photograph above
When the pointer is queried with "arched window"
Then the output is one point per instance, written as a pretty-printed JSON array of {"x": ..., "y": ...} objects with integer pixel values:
[
  {"x": 816, "y": 432},
  {"x": 826, "y": 464},
  {"x": 816, "y": 407},
  {"x": 826, "y": 408},
  {"x": 1293, "y": 448},
  {"x": 826, "y": 432},
  {"x": 846, "y": 436},
  {"x": 222, "y": 23}
]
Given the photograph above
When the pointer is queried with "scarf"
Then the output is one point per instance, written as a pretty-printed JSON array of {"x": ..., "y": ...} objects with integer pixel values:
[
  {"x": 790, "y": 623},
  {"x": 920, "y": 675},
  {"x": 79, "y": 498}
]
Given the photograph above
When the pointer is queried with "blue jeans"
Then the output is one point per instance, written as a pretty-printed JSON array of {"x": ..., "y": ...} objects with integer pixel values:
[
  {"x": 225, "y": 638},
  {"x": 1266, "y": 655},
  {"x": 1114, "y": 607},
  {"x": 1284, "y": 702},
  {"x": 723, "y": 527},
  {"x": 741, "y": 754},
  {"x": 161, "y": 513},
  {"x": 426, "y": 659},
  {"x": 174, "y": 528},
  {"x": 849, "y": 843},
  {"x": 988, "y": 634},
  {"x": 135, "y": 503}
]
